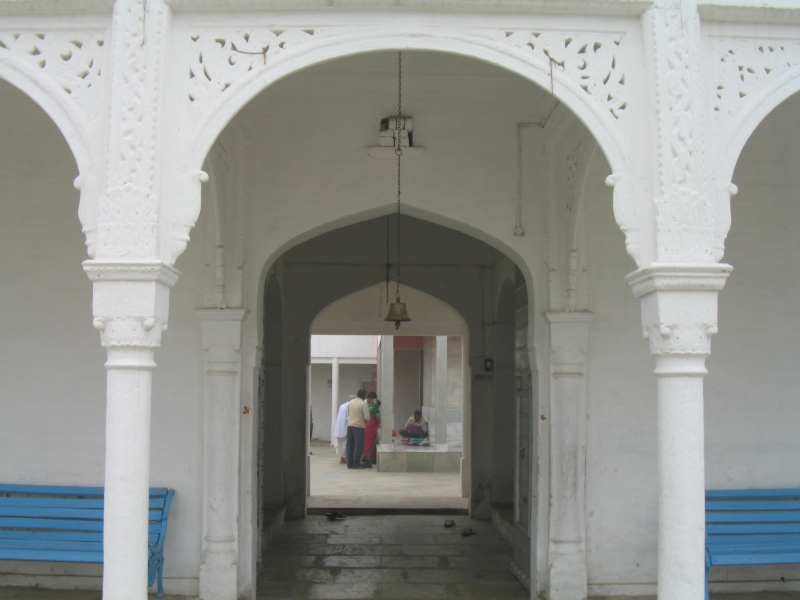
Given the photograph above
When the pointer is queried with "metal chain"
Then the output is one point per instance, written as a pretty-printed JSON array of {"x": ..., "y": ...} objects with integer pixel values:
[{"x": 399, "y": 151}]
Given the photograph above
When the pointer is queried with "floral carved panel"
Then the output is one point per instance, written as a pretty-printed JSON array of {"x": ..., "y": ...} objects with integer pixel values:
[
  {"x": 742, "y": 67},
  {"x": 592, "y": 62},
  {"x": 73, "y": 60}
]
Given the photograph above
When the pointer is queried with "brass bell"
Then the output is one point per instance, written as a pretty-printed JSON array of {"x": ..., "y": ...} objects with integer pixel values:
[{"x": 397, "y": 313}]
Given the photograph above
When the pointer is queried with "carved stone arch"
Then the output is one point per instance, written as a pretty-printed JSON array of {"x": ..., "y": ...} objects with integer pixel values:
[
  {"x": 72, "y": 124},
  {"x": 491, "y": 48},
  {"x": 583, "y": 91}
]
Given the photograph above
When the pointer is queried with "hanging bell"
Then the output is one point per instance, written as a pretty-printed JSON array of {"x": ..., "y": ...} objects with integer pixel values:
[{"x": 397, "y": 313}]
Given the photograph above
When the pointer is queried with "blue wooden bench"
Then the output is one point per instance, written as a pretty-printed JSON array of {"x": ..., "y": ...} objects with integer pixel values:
[
  {"x": 65, "y": 524},
  {"x": 752, "y": 527}
]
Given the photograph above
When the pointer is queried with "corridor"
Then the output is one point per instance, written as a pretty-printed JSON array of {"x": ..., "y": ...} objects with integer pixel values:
[{"x": 385, "y": 557}]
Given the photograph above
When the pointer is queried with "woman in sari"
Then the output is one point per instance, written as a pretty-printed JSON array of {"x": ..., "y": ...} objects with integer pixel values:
[{"x": 371, "y": 431}]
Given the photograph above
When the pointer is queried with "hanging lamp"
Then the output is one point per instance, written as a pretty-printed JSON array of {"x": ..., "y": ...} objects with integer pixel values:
[{"x": 397, "y": 310}]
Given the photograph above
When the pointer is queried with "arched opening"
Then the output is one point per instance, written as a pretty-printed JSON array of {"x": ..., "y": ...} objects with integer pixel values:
[
  {"x": 420, "y": 367},
  {"x": 303, "y": 196},
  {"x": 448, "y": 281}
]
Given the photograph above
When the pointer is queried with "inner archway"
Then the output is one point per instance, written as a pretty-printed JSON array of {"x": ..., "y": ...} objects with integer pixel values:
[
  {"x": 423, "y": 366},
  {"x": 448, "y": 282}
]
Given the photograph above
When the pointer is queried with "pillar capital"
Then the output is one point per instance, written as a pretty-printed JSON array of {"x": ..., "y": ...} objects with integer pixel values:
[
  {"x": 679, "y": 306},
  {"x": 130, "y": 301}
]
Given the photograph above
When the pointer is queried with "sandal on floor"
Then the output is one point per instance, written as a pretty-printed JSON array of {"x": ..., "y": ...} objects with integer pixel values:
[
  {"x": 468, "y": 532},
  {"x": 336, "y": 516},
  {"x": 449, "y": 523}
]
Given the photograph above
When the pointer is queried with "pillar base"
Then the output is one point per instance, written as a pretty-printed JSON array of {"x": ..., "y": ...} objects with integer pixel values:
[
  {"x": 218, "y": 578},
  {"x": 568, "y": 575}
]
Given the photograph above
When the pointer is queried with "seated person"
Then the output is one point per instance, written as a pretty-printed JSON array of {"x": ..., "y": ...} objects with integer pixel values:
[{"x": 416, "y": 427}]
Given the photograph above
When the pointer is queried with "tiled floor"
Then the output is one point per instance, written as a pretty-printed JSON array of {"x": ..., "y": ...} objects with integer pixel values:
[
  {"x": 333, "y": 485},
  {"x": 388, "y": 557}
]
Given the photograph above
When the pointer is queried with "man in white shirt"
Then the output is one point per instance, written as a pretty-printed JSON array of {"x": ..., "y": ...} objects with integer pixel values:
[
  {"x": 340, "y": 432},
  {"x": 357, "y": 417}
]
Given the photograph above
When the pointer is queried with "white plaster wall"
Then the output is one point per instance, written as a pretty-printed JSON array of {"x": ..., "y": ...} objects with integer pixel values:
[
  {"x": 319, "y": 397},
  {"x": 345, "y": 346},
  {"x": 52, "y": 411}
]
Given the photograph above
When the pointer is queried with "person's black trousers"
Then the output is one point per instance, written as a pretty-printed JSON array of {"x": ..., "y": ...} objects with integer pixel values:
[{"x": 355, "y": 446}]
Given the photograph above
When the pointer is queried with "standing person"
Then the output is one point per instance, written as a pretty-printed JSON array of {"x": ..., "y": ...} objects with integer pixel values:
[
  {"x": 371, "y": 430},
  {"x": 340, "y": 432},
  {"x": 357, "y": 415}
]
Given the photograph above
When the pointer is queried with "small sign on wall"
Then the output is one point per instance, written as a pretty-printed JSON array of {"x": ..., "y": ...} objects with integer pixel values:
[{"x": 484, "y": 376}]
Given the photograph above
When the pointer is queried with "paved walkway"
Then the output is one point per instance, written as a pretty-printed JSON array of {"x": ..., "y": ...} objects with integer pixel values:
[
  {"x": 333, "y": 485},
  {"x": 388, "y": 557}
]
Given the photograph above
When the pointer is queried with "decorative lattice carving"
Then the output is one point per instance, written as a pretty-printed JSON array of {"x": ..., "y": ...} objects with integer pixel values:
[
  {"x": 219, "y": 61},
  {"x": 746, "y": 65},
  {"x": 590, "y": 60},
  {"x": 73, "y": 60}
]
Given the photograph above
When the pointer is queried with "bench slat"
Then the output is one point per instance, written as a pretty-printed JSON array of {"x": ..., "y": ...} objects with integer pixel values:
[
  {"x": 754, "y": 559},
  {"x": 778, "y": 516},
  {"x": 747, "y": 505},
  {"x": 727, "y": 540},
  {"x": 760, "y": 494},
  {"x": 52, "y": 545},
  {"x": 65, "y": 490},
  {"x": 80, "y": 536},
  {"x": 757, "y": 548},
  {"x": 745, "y": 528},
  {"x": 73, "y": 525},
  {"x": 155, "y": 503},
  {"x": 62, "y": 513},
  {"x": 88, "y": 514},
  {"x": 51, "y": 555}
]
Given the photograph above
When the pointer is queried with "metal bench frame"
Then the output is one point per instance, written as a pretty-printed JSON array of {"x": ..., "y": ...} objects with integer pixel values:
[
  {"x": 752, "y": 527},
  {"x": 65, "y": 524}
]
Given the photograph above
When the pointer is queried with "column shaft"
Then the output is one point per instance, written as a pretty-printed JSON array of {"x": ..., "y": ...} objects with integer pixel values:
[
  {"x": 386, "y": 393},
  {"x": 127, "y": 473},
  {"x": 440, "y": 401},
  {"x": 681, "y": 530},
  {"x": 130, "y": 304},
  {"x": 679, "y": 315},
  {"x": 334, "y": 396}
]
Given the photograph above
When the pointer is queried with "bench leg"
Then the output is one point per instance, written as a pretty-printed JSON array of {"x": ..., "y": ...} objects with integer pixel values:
[
  {"x": 708, "y": 568},
  {"x": 160, "y": 593}
]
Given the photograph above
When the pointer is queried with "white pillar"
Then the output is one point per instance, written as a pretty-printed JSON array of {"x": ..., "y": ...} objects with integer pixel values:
[
  {"x": 679, "y": 315},
  {"x": 334, "y": 396},
  {"x": 130, "y": 304},
  {"x": 569, "y": 341},
  {"x": 440, "y": 401},
  {"x": 222, "y": 338},
  {"x": 386, "y": 393}
]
